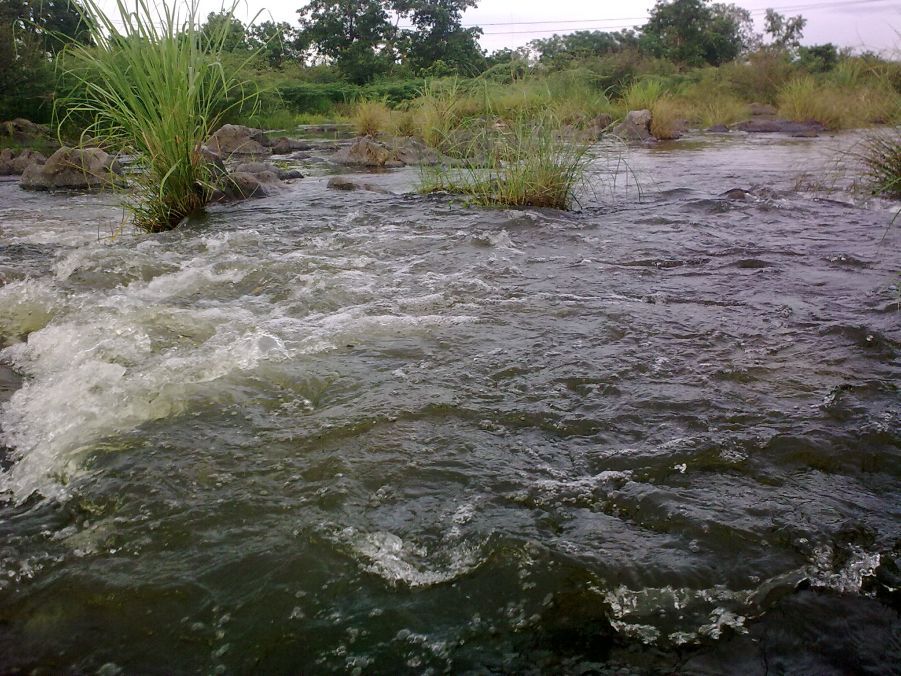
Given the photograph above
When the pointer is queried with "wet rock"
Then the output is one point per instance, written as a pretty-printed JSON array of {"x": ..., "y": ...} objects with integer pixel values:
[
  {"x": 738, "y": 194},
  {"x": 24, "y": 131},
  {"x": 758, "y": 109},
  {"x": 364, "y": 152},
  {"x": 15, "y": 162},
  {"x": 240, "y": 185},
  {"x": 73, "y": 169},
  {"x": 236, "y": 139},
  {"x": 409, "y": 150},
  {"x": 635, "y": 127},
  {"x": 765, "y": 126},
  {"x": 718, "y": 129},
  {"x": 258, "y": 168},
  {"x": 284, "y": 145},
  {"x": 348, "y": 183}
]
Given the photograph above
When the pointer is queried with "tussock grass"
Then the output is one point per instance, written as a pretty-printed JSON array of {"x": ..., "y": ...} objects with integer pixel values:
[
  {"x": 667, "y": 118},
  {"x": 527, "y": 164},
  {"x": 155, "y": 87},
  {"x": 643, "y": 94},
  {"x": 839, "y": 106},
  {"x": 881, "y": 156},
  {"x": 371, "y": 117}
]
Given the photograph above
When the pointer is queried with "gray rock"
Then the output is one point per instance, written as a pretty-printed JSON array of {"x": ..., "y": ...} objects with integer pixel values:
[
  {"x": 348, "y": 183},
  {"x": 635, "y": 127},
  {"x": 757, "y": 109},
  {"x": 285, "y": 145},
  {"x": 765, "y": 126},
  {"x": 15, "y": 162},
  {"x": 236, "y": 139},
  {"x": 73, "y": 169},
  {"x": 364, "y": 152},
  {"x": 240, "y": 185},
  {"x": 257, "y": 168},
  {"x": 718, "y": 129},
  {"x": 21, "y": 130}
]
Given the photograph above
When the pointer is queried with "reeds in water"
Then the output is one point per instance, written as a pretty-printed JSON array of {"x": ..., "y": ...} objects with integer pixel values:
[{"x": 155, "y": 87}]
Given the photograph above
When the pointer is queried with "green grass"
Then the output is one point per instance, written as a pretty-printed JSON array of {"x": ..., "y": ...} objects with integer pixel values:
[
  {"x": 154, "y": 87},
  {"x": 881, "y": 157},
  {"x": 527, "y": 164}
]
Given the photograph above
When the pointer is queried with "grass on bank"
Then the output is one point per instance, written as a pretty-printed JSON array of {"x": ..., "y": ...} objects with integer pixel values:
[
  {"x": 881, "y": 156},
  {"x": 525, "y": 163},
  {"x": 155, "y": 87}
]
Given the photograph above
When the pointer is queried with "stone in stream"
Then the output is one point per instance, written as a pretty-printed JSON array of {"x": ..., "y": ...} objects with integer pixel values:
[
  {"x": 284, "y": 145},
  {"x": 773, "y": 126},
  {"x": 24, "y": 131},
  {"x": 236, "y": 139},
  {"x": 263, "y": 167},
  {"x": 635, "y": 127},
  {"x": 14, "y": 162},
  {"x": 367, "y": 152},
  {"x": 73, "y": 169},
  {"x": 350, "y": 184}
]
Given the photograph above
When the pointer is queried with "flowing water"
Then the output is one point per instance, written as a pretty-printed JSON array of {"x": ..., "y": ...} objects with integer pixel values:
[{"x": 385, "y": 433}]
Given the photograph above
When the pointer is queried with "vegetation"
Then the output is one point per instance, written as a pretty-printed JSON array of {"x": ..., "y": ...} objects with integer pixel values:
[
  {"x": 153, "y": 86},
  {"x": 524, "y": 163},
  {"x": 882, "y": 159}
]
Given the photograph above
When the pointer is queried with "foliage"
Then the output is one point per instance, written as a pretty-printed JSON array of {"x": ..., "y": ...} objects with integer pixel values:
[
  {"x": 370, "y": 117},
  {"x": 693, "y": 32},
  {"x": 527, "y": 163},
  {"x": 784, "y": 33},
  {"x": 155, "y": 87},
  {"x": 440, "y": 36},
  {"x": 882, "y": 159},
  {"x": 559, "y": 51},
  {"x": 838, "y": 107}
]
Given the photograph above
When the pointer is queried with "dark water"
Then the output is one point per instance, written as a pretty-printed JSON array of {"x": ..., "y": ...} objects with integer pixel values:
[{"x": 332, "y": 432}]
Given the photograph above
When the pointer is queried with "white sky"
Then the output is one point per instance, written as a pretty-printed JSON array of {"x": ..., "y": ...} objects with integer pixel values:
[{"x": 862, "y": 24}]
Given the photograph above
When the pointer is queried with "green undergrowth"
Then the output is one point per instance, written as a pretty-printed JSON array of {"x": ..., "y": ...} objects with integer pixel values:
[{"x": 155, "y": 87}]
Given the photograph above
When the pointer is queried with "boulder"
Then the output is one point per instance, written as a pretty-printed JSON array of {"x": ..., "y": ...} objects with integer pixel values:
[
  {"x": 236, "y": 139},
  {"x": 240, "y": 185},
  {"x": 21, "y": 130},
  {"x": 73, "y": 169},
  {"x": 256, "y": 168},
  {"x": 349, "y": 184},
  {"x": 15, "y": 162},
  {"x": 765, "y": 126},
  {"x": 758, "y": 109},
  {"x": 718, "y": 129},
  {"x": 635, "y": 127},
  {"x": 409, "y": 150},
  {"x": 285, "y": 145},
  {"x": 364, "y": 152}
]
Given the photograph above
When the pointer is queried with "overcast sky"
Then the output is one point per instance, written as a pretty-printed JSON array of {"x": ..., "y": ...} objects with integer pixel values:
[{"x": 862, "y": 24}]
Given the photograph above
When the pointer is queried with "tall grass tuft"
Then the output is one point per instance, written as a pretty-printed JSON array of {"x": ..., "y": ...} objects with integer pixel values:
[
  {"x": 155, "y": 87},
  {"x": 528, "y": 163},
  {"x": 882, "y": 159},
  {"x": 371, "y": 117}
]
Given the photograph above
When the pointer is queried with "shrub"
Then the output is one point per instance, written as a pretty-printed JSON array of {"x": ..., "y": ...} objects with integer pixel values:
[
  {"x": 155, "y": 87},
  {"x": 882, "y": 159},
  {"x": 370, "y": 117}
]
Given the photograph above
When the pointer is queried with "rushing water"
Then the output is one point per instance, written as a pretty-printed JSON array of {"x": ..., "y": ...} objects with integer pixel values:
[{"x": 382, "y": 433}]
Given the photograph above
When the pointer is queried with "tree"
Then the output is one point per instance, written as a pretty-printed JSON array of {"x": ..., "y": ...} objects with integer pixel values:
[
  {"x": 694, "y": 32},
  {"x": 356, "y": 35},
  {"x": 225, "y": 24},
  {"x": 52, "y": 22},
  {"x": 785, "y": 33},
  {"x": 439, "y": 34},
  {"x": 559, "y": 50},
  {"x": 277, "y": 42}
]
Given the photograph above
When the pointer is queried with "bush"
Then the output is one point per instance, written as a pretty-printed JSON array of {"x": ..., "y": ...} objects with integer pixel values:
[{"x": 882, "y": 159}]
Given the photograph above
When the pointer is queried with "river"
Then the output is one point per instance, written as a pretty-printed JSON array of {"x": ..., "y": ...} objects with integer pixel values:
[{"x": 332, "y": 432}]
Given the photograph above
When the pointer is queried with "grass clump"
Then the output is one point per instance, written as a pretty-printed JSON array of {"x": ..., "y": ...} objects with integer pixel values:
[
  {"x": 528, "y": 164},
  {"x": 882, "y": 161},
  {"x": 371, "y": 117},
  {"x": 154, "y": 86}
]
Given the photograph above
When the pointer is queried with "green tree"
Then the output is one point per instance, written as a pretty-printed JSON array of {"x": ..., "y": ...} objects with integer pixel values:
[
  {"x": 277, "y": 42},
  {"x": 694, "y": 32},
  {"x": 224, "y": 23},
  {"x": 439, "y": 35},
  {"x": 356, "y": 35},
  {"x": 785, "y": 33},
  {"x": 560, "y": 50}
]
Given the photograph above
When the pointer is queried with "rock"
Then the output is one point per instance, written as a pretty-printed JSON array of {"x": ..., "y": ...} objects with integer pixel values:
[
  {"x": 15, "y": 162},
  {"x": 21, "y": 130},
  {"x": 409, "y": 150},
  {"x": 757, "y": 109},
  {"x": 285, "y": 145},
  {"x": 718, "y": 129},
  {"x": 635, "y": 127},
  {"x": 364, "y": 152},
  {"x": 236, "y": 139},
  {"x": 257, "y": 168},
  {"x": 736, "y": 194},
  {"x": 347, "y": 183},
  {"x": 240, "y": 185},
  {"x": 73, "y": 169},
  {"x": 779, "y": 127}
]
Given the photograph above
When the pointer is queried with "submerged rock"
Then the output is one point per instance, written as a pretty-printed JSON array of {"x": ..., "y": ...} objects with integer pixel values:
[
  {"x": 284, "y": 145},
  {"x": 367, "y": 152},
  {"x": 349, "y": 184},
  {"x": 256, "y": 168},
  {"x": 236, "y": 139},
  {"x": 73, "y": 169},
  {"x": 766, "y": 126},
  {"x": 635, "y": 127},
  {"x": 15, "y": 162}
]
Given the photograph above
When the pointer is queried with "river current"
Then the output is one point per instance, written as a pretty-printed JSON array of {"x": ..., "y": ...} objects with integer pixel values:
[{"x": 332, "y": 432}]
